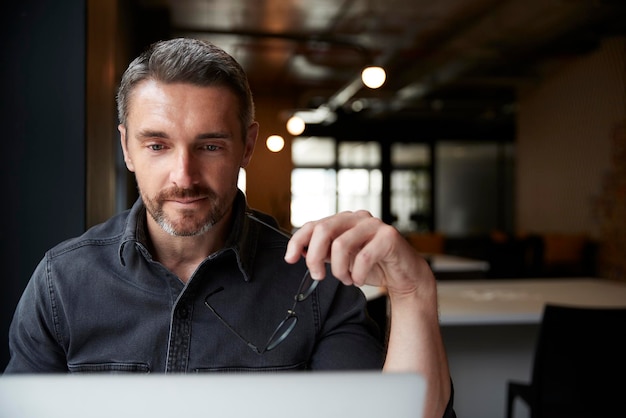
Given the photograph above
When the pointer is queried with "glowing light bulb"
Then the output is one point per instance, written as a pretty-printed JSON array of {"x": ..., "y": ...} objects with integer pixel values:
[
  {"x": 275, "y": 143},
  {"x": 295, "y": 125},
  {"x": 373, "y": 77}
]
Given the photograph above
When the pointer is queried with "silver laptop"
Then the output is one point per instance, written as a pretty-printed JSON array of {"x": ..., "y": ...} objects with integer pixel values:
[{"x": 287, "y": 395}]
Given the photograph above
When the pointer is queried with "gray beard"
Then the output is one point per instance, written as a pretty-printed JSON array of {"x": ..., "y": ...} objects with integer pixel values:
[
  {"x": 186, "y": 229},
  {"x": 169, "y": 228}
]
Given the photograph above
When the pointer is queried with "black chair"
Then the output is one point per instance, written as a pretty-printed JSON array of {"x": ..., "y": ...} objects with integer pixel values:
[{"x": 579, "y": 368}]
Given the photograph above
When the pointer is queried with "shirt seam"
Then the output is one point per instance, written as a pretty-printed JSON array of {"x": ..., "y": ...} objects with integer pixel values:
[{"x": 53, "y": 304}]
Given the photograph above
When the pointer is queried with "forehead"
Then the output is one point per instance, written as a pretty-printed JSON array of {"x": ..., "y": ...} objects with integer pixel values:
[{"x": 155, "y": 98}]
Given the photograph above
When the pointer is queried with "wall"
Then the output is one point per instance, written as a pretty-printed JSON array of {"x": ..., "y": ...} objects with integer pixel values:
[
  {"x": 565, "y": 129},
  {"x": 42, "y": 117}
]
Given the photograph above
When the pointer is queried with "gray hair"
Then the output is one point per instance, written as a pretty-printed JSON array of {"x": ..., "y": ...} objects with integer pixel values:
[{"x": 185, "y": 60}]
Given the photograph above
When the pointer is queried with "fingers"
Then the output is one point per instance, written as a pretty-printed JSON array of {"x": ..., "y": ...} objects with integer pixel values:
[
  {"x": 352, "y": 242},
  {"x": 375, "y": 252},
  {"x": 355, "y": 252},
  {"x": 312, "y": 241}
]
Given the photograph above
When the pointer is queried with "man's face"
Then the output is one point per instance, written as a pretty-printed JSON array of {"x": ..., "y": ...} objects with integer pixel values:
[{"x": 184, "y": 144}]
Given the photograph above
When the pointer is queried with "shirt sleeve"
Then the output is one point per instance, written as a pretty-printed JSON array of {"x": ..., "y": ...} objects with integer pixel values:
[
  {"x": 33, "y": 337},
  {"x": 449, "y": 412},
  {"x": 348, "y": 339}
]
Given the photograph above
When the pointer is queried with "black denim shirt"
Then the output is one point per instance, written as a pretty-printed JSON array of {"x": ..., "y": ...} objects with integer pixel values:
[{"x": 101, "y": 303}]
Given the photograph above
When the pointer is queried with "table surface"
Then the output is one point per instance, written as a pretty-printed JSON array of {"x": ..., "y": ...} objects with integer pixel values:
[
  {"x": 521, "y": 301},
  {"x": 446, "y": 263}
]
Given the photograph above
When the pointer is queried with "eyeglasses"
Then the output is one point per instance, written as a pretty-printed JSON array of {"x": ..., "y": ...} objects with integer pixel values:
[{"x": 284, "y": 328}]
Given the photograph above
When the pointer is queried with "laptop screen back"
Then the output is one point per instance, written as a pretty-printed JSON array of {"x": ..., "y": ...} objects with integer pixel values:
[{"x": 285, "y": 395}]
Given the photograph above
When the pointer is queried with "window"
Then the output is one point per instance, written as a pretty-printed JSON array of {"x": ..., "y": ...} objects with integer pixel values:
[
  {"x": 313, "y": 179},
  {"x": 411, "y": 186},
  {"x": 470, "y": 181},
  {"x": 359, "y": 179},
  {"x": 359, "y": 188},
  {"x": 313, "y": 194},
  {"x": 241, "y": 180},
  {"x": 328, "y": 178}
]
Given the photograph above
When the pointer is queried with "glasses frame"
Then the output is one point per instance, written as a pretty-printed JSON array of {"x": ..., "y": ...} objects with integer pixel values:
[
  {"x": 287, "y": 324},
  {"x": 284, "y": 327}
]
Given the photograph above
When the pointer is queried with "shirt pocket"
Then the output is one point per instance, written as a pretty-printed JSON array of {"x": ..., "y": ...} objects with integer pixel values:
[
  {"x": 244, "y": 369},
  {"x": 109, "y": 368}
]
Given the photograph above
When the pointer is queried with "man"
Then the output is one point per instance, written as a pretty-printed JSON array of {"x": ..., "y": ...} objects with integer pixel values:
[{"x": 192, "y": 280}]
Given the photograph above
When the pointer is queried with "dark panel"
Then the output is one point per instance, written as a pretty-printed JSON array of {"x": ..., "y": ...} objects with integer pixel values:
[{"x": 42, "y": 111}]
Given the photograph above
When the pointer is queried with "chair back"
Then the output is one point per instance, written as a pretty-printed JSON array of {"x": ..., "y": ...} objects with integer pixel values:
[{"x": 579, "y": 368}]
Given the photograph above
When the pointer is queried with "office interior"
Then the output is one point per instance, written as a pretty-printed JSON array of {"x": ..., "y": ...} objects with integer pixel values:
[{"x": 519, "y": 105}]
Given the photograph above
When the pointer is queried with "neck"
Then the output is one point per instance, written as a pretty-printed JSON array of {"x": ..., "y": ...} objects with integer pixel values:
[{"x": 183, "y": 255}]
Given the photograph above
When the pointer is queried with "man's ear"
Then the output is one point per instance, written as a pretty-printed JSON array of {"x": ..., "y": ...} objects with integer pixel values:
[
  {"x": 127, "y": 159},
  {"x": 250, "y": 141}
]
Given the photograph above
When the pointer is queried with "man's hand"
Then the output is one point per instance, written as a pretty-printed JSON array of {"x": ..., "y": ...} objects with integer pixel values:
[{"x": 361, "y": 250}]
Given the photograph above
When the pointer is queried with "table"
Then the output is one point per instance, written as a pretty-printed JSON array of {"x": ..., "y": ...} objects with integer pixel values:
[
  {"x": 521, "y": 301},
  {"x": 446, "y": 263},
  {"x": 490, "y": 328}
]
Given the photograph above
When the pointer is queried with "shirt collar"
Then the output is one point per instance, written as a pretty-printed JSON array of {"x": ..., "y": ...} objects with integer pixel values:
[{"x": 241, "y": 240}]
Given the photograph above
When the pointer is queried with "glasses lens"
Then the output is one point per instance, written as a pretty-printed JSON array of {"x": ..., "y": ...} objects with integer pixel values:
[
  {"x": 282, "y": 331},
  {"x": 307, "y": 286}
]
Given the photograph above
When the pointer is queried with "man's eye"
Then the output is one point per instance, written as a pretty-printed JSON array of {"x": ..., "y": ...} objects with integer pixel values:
[
  {"x": 155, "y": 147},
  {"x": 211, "y": 147}
]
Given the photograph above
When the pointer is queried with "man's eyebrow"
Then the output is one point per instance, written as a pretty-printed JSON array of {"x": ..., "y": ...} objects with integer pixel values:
[
  {"x": 147, "y": 133},
  {"x": 214, "y": 135}
]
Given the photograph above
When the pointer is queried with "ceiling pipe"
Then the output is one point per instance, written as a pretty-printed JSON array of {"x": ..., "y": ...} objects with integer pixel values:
[
  {"x": 344, "y": 94},
  {"x": 345, "y": 42}
]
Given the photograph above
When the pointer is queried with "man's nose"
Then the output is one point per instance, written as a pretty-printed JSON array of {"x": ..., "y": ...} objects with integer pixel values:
[{"x": 185, "y": 171}]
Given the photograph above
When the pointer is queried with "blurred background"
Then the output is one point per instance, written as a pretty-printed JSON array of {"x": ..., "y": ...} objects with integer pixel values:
[{"x": 498, "y": 134}]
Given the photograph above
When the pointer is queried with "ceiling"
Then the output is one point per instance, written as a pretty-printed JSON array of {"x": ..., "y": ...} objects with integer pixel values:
[{"x": 453, "y": 65}]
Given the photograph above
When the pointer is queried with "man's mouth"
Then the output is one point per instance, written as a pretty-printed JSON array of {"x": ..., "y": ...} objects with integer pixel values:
[{"x": 186, "y": 200}]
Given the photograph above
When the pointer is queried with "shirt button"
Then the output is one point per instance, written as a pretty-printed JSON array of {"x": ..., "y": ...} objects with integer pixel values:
[{"x": 182, "y": 312}]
